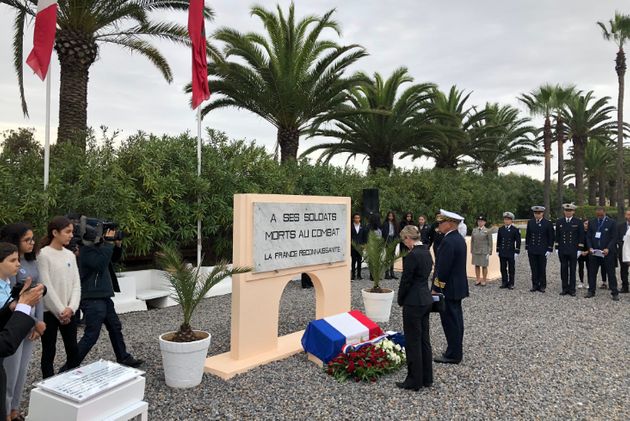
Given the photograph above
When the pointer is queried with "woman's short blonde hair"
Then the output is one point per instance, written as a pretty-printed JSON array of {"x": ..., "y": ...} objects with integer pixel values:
[{"x": 411, "y": 232}]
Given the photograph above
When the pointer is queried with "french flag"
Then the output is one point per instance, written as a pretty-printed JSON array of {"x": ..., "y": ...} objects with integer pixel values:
[
  {"x": 325, "y": 338},
  {"x": 43, "y": 38}
]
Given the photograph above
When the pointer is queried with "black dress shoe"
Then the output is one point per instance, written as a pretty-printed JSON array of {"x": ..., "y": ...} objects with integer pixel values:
[
  {"x": 394, "y": 276},
  {"x": 615, "y": 298},
  {"x": 503, "y": 286},
  {"x": 427, "y": 385},
  {"x": 564, "y": 293},
  {"x": 510, "y": 287},
  {"x": 572, "y": 293},
  {"x": 360, "y": 278},
  {"x": 442, "y": 359},
  {"x": 352, "y": 278},
  {"x": 407, "y": 386},
  {"x": 624, "y": 291},
  {"x": 541, "y": 290},
  {"x": 589, "y": 295},
  {"x": 131, "y": 362},
  {"x": 533, "y": 290}
]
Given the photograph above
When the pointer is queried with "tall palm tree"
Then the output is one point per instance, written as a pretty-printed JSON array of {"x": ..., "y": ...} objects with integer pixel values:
[
  {"x": 506, "y": 139},
  {"x": 585, "y": 119},
  {"x": 618, "y": 31},
  {"x": 450, "y": 119},
  {"x": 540, "y": 102},
  {"x": 376, "y": 121},
  {"x": 562, "y": 95},
  {"x": 599, "y": 166},
  {"x": 84, "y": 25},
  {"x": 289, "y": 76}
]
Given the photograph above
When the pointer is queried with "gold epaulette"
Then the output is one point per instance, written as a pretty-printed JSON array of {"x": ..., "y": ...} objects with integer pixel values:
[{"x": 439, "y": 283}]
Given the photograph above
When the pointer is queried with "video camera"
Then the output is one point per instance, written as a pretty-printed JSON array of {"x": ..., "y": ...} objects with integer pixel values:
[
  {"x": 92, "y": 231},
  {"x": 17, "y": 288}
]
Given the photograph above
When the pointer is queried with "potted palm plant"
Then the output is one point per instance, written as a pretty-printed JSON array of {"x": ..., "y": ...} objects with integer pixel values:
[
  {"x": 184, "y": 351},
  {"x": 379, "y": 256}
]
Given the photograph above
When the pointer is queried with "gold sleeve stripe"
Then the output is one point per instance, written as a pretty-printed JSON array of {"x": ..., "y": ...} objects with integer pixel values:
[{"x": 439, "y": 283}]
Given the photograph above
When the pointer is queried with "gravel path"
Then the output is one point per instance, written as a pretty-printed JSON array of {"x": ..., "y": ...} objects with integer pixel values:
[{"x": 526, "y": 356}]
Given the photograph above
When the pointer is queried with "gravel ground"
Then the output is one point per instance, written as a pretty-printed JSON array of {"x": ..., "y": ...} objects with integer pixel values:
[{"x": 526, "y": 356}]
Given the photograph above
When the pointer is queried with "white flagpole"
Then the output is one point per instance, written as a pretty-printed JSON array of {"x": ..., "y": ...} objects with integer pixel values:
[
  {"x": 47, "y": 134},
  {"x": 199, "y": 175}
]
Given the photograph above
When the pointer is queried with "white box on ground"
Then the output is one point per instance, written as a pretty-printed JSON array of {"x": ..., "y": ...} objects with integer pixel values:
[{"x": 98, "y": 391}]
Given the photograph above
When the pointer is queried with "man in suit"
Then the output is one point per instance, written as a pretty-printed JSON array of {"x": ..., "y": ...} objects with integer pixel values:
[
  {"x": 601, "y": 240},
  {"x": 450, "y": 279},
  {"x": 359, "y": 237},
  {"x": 539, "y": 245},
  {"x": 569, "y": 245},
  {"x": 623, "y": 233},
  {"x": 508, "y": 248},
  {"x": 16, "y": 323}
]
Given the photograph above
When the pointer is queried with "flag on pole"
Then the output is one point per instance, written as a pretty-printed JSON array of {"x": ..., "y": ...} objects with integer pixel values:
[
  {"x": 200, "y": 90},
  {"x": 43, "y": 38}
]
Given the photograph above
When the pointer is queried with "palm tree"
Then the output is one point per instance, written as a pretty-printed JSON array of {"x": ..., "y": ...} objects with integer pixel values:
[
  {"x": 289, "y": 76},
  {"x": 448, "y": 121},
  {"x": 585, "y": 119},
  {"x": 81, "y": 27},
  {"x": 540, "y": 102},
  {"x": 376, "y": 121},
  {"x": 618, "y": 31},
  {"x": 507, "y": 140},
  {"x": 562, "y": 95}
]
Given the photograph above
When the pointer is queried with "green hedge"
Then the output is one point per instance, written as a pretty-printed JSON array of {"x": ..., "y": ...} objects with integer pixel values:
[{"x": 148, "y": 184}]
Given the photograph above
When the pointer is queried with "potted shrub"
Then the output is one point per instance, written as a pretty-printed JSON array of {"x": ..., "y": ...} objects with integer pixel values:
[
  {"x": 184, "y": 351},
  {"x": 379, "y": 256}
]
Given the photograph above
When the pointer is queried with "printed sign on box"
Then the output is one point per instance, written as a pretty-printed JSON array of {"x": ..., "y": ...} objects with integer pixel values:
[{"x": 288, "y": 235}]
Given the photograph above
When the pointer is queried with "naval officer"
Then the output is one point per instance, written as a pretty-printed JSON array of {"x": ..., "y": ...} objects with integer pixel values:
[
  {"x": 508, "y": 248},
  {"x": 539, "y": 238},
  {"x": 570, "y": 245},
  {"x": 450, "y": 279}
]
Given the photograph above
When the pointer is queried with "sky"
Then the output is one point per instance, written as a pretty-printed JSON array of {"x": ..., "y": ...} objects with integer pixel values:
[{"x": 495, "y": 49}]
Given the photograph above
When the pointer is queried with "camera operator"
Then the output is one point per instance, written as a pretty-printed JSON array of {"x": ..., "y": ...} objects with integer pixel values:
[{"x": 98, "y": 283}]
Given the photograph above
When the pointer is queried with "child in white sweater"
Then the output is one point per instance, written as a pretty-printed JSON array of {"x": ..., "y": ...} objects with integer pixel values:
[{"x": 59, "y": 272}]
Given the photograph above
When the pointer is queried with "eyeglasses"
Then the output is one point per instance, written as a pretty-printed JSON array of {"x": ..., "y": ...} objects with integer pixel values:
[{"x": 30, "y": 240}]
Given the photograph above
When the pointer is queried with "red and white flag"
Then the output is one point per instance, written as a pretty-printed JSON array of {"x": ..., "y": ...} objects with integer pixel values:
[
  {"x": 200, "y": 90},
  {"x": 43, "y": 38}
]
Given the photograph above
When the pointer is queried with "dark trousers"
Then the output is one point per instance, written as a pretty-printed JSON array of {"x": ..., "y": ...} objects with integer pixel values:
[
  {"x": 453, "y": 324},
  {"x": 582, "y": 261},
  {"x": 356, "y": 264},
  {"x": 49, "y": 344},
  {"x": 623, "y": 271},
  {"x": 508, "y": 269},
  {"x": 608, "y": 266},
  {"x": 99, "y": 312},
  {"x": 538, "y": 266},
  {"x": 418, "y": 345},
  {"x": 568, "y": 266}
]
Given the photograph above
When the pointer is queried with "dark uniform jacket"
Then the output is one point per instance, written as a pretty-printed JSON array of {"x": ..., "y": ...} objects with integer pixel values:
[
  {"x": 608, "y": 238},
  {"x": 414, "y": 283},
  {"x": 450, "y": 276},
  {"x": 569, "y": 235},
  {"x": 361, "y": 236},
  {"x": 539, "y": 237},
  {"x": 435, "y": 236},
  {"x": 508, "y": 241}
]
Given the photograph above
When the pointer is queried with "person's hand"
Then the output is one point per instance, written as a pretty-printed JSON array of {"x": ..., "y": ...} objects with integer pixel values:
[
  {"x": 65, "y": 315},
  {"x": 605, "y": 251},
  {"x": 30, "y": 296},
  {"x": 579, "y": 253},
  {"x": 585, "y": 253},
  {"x": 547, "y": 254},
  {"x": 38, "y": 331},
  {"x": 591, "y": 251},
  {"x": 515, "y": 256}
]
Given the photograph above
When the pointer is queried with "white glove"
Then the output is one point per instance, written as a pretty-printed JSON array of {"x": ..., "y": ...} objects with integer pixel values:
[
  {"x": 547, "y": 254},
  {"x": 579, "y": 253},
  {"x": 556, "y": 251},
  {"x": 515, "y": 256}
]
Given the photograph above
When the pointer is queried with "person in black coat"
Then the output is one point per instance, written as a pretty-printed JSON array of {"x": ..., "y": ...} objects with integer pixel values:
[
  {"x": 622, "y": 229},
  {"x": 508, "y": 249},
  {"x": 569, "y": 245},
  {"x": 415, "y": 298},
  {"x": 434, "y": 235},
  {"x": 407, "y": 220},
  {"x": 358, "y": 235},
  {"x": 390, "y": 231},
  {"x": 539, "y": 238},
  {"x": 424, "y": 228},
  {"x": 602, "y": 237},
  {"x": 450, "y": 279}
]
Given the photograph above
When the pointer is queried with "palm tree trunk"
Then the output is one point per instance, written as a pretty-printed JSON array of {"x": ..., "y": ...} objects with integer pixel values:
[
  {"x": 560, "y": 142},
  {"x": 289, "y": 141},
  {"x": 547, "y": 182},
  {"x": 592, "y": 191},
  {"x": 578, "y": 156},
  {"x": 613, "y": 192},
  {"x": 378, "y": 161},
  {"x": 601, "y": 182},
  {"x": 620, "y": 67}
]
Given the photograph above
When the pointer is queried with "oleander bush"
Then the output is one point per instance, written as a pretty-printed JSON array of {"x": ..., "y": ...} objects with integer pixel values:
[{"x": 148, "y": 184}]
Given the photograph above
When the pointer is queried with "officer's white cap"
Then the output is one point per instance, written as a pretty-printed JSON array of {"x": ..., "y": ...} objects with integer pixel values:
[
  {"x": 449, "y": 216},
  {"x": 508, "y": 215}
]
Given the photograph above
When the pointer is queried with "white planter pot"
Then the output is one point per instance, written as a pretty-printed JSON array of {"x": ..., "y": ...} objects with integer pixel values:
[
  {"x": 183, "y": 361},
  {"x": 378, "y": 305}
]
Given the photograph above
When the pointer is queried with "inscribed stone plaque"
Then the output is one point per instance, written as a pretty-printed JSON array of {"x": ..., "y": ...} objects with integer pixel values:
[
  {"x": 288, "y": 235},
  {"x": 85, "y": 382}
]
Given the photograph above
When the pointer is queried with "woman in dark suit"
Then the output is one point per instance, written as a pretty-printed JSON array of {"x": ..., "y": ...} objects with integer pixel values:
[{"x": 415, "y": 298}]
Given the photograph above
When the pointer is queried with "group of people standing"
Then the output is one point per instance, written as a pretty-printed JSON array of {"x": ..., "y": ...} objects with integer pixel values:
[{"x": 73, "y": 281}]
